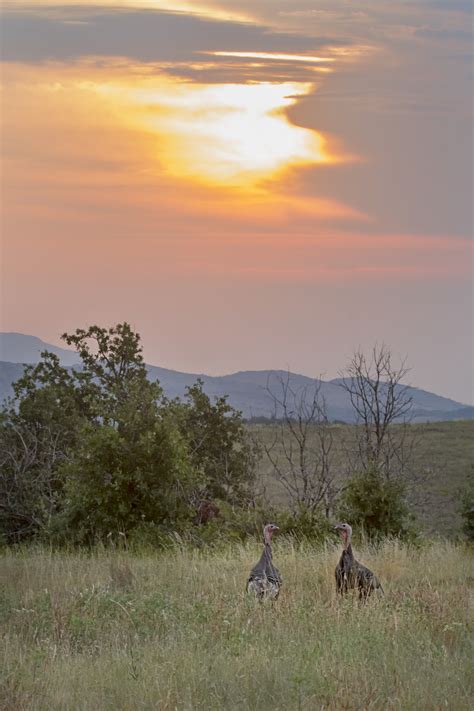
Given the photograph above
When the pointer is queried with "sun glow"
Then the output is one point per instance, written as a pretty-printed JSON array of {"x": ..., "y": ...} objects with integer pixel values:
[
  {"x": 274, "y": 55},
  {"x": 231, "y": 133}
]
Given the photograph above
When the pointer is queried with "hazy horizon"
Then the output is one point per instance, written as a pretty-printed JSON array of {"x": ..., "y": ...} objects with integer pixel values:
[
  {"x": 252, "y": 184},
  {"x": 323, "y": 376}
]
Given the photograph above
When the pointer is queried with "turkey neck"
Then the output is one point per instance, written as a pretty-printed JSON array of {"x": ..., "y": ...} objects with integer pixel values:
[
  {"x": 267, "y": 551},
  {"x": 347, "y": 547},
  {"x": 347, "y": 550},
  {"x": 265, "y": 558}
]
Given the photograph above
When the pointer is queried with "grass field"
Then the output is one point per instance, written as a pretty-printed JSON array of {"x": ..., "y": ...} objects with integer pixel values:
[
  {"x": 446, "y": 449},
  {"x": 174, "y": 630}
]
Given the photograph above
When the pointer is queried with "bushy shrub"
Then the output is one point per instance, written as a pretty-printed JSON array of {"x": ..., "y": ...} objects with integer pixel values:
[
  {"x": 466, "y": 508},
  {"x": 376, "y": 506},
  {"x": 114, "y": 484}
]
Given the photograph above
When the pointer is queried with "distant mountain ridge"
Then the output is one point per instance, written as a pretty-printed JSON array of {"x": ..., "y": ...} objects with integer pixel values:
[
  {"x": 246, "y": 390},
  {"x": 20, "y": 348}
]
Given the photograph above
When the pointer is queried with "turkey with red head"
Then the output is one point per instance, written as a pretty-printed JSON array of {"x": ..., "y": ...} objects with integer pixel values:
[
  {"x": 265, "y": 580},
  {"x": 350, "y": 574}
]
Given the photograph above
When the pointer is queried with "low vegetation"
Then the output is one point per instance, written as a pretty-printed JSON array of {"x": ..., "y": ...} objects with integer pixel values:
[
  {"x": 444, "y": 451},
  {"x": 115, "y": 629},
  {"x": 98, "y": 450}
]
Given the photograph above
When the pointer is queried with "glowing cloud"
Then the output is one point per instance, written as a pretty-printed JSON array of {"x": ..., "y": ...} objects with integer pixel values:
[
  {"x": 194, "y": 7},
  {"x": 275, "y": 56},
  {"x": 226, "y": 134}
]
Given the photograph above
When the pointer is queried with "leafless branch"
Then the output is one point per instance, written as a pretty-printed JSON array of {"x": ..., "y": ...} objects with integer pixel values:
[
  {"x": 380, "y": 400},
  {"x": 301, "y": 444}
]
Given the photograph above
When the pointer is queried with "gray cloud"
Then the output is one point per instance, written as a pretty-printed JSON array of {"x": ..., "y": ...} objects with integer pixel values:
[
  {"x": 66, "y": 34},
  {"x": 456, "y": 35},
  {"x": 451, "y": 5},
  {"x": 416, "y": 129}
]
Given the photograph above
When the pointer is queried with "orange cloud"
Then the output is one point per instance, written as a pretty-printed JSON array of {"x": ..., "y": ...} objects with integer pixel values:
[
  {"x": 99, "y": 132},
  {"x": 88, "y": 170}
]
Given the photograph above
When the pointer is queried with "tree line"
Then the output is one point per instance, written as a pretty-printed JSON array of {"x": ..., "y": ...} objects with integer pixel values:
[{"x": 98, "y": 451}]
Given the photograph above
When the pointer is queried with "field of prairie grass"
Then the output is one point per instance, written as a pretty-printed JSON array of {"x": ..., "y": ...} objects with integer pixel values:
[
  {"x": 175, "y": 630},
  {"x": 445, "y": 449}
]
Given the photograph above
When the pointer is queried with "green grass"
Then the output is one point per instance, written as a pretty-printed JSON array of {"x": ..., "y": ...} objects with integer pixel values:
[
  {"x": 445, "y": 449},
  {"x": 116, "y": 630}
]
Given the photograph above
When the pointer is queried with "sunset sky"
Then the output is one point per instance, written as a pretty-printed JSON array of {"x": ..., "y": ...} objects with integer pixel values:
[{"x": 250, "y": 183}]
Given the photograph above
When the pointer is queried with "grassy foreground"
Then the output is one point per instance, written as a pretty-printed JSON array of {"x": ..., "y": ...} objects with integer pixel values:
[{"x": 116, "y": 630}]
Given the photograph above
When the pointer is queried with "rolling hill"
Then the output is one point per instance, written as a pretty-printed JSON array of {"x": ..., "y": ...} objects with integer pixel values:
[
  {"x": 246, "y": 390},
  {"x": 20, "y": 348}
]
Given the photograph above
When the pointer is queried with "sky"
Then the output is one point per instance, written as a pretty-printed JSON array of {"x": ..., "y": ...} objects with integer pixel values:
[{"x": 251, "y": 184}]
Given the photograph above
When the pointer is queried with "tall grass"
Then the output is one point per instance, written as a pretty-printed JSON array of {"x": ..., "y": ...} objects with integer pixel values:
[{"x": 175, "y": 630}]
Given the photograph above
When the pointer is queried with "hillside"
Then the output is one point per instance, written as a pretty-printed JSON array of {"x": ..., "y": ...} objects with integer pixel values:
[
  {"x": 246, "y": 390},
  {"x": 20, "y": 348}
]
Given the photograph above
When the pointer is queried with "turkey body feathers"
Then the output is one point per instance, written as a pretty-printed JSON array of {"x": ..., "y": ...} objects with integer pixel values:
[
  {"x": 350, "y": 574},
  {"x": 265, "y": 579}
]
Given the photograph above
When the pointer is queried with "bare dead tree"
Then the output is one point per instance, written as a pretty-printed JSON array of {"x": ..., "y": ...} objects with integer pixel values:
[
  {"x": 378, "y": 397},
  {"x": 301, "y": 447},
  {"x": 383, "y": 403}
]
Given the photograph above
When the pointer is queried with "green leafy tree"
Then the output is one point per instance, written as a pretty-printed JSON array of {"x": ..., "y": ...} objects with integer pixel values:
[
  {"x": 114, "y": 377},
  {"x": 221, "y": 450},
  {"x": 97, "y": 449},
  {"x": 56, "y": 438},
  {"x": 38, "y": 429},
  {"x": 131, "y": 466}
]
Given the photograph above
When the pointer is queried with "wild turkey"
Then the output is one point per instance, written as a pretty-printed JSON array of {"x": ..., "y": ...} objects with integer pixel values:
[
  {"x": 265, "y": 580},
  {"x": 350, "y": 573}
]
